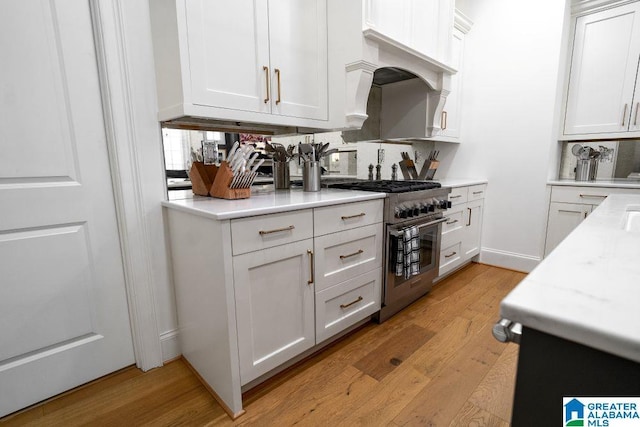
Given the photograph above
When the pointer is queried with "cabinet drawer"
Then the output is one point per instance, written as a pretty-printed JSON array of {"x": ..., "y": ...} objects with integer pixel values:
[
  {"x": 342, "y": 256},
  {"x": 476, "y": 192},
  {"x": 454, "y": 222},
  {"x": 347, "y": 303},
  {"x": 458, "y": 195},
  {"x": 331, "y": 219},
  {"x": 450, "y": 257},
  {"x": 265, "y": 231},
  {"x": 586, "y": 195}
]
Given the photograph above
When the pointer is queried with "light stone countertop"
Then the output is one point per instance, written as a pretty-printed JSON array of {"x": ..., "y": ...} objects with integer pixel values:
[
  {"x": 614, "y": 183},
  {"x": 588, "y": 289},
  {"x": 460, "y": 182},
  {"x": 266, "y": 201}
]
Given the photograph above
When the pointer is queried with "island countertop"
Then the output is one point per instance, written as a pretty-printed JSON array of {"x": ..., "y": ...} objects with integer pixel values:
[
  {"x": 588, "y": 289},
  {"x": 266, "y": 202}
]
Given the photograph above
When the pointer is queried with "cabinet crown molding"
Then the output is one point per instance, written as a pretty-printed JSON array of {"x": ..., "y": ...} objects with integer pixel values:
[
  {"x": 580, "y": 7},
  {"x": 461, "y": 22}
]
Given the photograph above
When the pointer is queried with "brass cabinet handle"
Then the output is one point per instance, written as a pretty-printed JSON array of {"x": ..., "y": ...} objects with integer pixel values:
[
  {"x": 456, "y": 196},
  {"x": 478, "y": 192},
  {"x": 444, "y": 120},
  {"x": 353, "y": 254},
  {"x": 450, "y": 255},
  {"x": 624, "y": 114},
  {"x": 353, "y": 216},
  {"x": 357, "y": 300},
  {"x": 469, "y": 223},
  {"x": 311, "y": 267},
  {"x": 635, "y": 119},
  {"x": 595, "y": 196},
  {"x": 277, "y": 71},
  {"x": 277, "y": 230},
  {"x": 266, "y": 77},
  {"x": 451, "y": 222}
]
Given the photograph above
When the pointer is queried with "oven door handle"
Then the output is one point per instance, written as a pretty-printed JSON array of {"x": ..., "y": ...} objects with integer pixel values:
[{"x": 428, "y": 224}]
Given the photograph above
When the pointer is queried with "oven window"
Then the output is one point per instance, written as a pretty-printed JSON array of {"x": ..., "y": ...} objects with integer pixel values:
[{"x": 428, "y": 247}]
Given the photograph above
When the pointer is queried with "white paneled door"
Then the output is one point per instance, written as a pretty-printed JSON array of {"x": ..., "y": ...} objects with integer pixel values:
[{"x": 63, "y": 308}]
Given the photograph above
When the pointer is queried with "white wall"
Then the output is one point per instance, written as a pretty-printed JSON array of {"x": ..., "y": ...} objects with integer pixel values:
[{"x": 511, "y": 66}]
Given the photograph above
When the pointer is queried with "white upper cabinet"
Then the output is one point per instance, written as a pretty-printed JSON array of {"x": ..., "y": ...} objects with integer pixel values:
[
  {"x": 245, "y": 60},
  {"x": 423, "y": 25},
  {"x": 604, "y": 75}
]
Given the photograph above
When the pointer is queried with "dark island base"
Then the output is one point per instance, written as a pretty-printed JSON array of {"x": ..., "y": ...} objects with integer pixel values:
[{"x": 550, "y": 368}]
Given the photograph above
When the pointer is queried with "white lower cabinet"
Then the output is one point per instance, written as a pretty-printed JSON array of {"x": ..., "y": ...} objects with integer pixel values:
[
  {"x": 569, "y": 206},
  {"x": 255, "y": 293},
  {"x": 461, "y": 232},
  {"x": 274, "y": 293}
]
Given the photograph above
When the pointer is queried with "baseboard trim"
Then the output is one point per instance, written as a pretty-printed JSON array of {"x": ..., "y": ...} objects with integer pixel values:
[
  {"x": 509, "y": 260},
  {"x": 170, "y": 345}
]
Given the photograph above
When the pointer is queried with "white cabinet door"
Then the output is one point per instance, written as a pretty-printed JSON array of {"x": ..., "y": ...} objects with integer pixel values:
[
  {"x": 603, "y": 71},
  {"x": 451, "y": 113},
  {"x": 228, "y": 48},
  {"x": 274, "y": 306},
  {"x": 563, "y": 218},
  {"x": 298, "y": 38},
  {"x": 64, "y": 319},
  {"x": 472, "y": 229}
]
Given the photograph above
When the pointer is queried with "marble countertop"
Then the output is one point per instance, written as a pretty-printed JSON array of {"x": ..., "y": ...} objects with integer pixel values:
[
  {"x": 266, "y": 200},
  {"x": 616, "y": 183},
  {"x": 460, "y": 182},
  {"x": 588, "y": 289}
]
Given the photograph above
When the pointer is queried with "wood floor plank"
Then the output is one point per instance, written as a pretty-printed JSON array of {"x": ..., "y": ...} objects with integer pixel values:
[
  {"x": 471, "y": 415},
  {"x": 455, "y": 383},
  {"x": 495, "y": 393},
  {"x": 393, "y": 351}
]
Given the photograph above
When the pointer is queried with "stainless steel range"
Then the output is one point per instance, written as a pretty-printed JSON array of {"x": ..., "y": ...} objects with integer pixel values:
[{"x": 408, "y": 204}]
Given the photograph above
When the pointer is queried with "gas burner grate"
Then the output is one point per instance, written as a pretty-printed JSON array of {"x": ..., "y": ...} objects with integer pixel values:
[{"x": 387, "y": 186}]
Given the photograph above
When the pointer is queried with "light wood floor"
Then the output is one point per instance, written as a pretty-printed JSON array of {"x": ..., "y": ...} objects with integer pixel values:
[{"x": 436, "y": 363}]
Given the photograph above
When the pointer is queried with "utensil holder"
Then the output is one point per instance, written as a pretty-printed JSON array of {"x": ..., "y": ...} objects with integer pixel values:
[
  {"x": 586, "y": 169},
  {"x": 214, "y": 181},
  {"x": 281, "y": 179},
  {"x": 311, "y": 172}
]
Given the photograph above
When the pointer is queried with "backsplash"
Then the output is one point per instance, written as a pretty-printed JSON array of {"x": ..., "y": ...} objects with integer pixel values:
[{"x": 622, "y": 162}]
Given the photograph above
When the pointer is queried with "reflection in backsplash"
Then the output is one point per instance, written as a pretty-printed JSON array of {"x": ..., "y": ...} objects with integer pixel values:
[{"x": 620, "y": 159}]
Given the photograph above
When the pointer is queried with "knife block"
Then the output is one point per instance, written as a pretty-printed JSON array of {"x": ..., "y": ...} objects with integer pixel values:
[{"x": 214, "y": 181}]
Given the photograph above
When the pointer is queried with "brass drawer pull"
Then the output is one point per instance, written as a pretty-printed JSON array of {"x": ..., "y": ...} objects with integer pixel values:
[
  {"x": 478, "y": 192},
  {"x": 451, "y": 222},
  {"x": 353, "y": 216},
  {"x": 586, "y": 196},
  {"x": 277, "y": 71},
  {"x": 277, "y": 230},
  {"x": 352, "y": 302},
  {"x": 353, "y": 254},
  {"x": 635, "y": 120},
  {"x": 311, "y": 267},
  {"x": 444, "y": 120},
  {"x": 470, "y": 212},
  {"x": 624, "y": 114},
  {"x": 450, "y": 255},
  {"x": 455, "y": 197},
  {"x": 266, "y": 77},
  {"x": 568, "y": 211}
]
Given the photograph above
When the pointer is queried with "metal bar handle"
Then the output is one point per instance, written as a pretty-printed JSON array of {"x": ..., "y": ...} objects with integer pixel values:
[
  {"x": 357, "y": 300},
  {"x": 478, "y": 192},
  {"x": 469, "y": 222},
  {"x": 624, "y": 114},
  {"x": 452, "y": 222},
  {"x": 569, "y": 211},
  {"x": 635, "y": 119},
  {"x": 277, "y": 71},
  {"x": 586, "y": 196},
  {"x": 277, "y": 230},
  {"x": 451, "y": 254},
  {"x": 311, "y": 267},
  {"x": 266, "y": 77},
  {"x": 456, "y": 196},
  {"x": 353, "y": 254},
  {"x": 444, "y": 120},
  {"x": 344, "y": 218},
  {"x": 428, "y": 224}
]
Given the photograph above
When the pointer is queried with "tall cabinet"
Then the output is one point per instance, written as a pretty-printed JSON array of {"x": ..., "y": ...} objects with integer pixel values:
[{"x": 603, "y": 94}]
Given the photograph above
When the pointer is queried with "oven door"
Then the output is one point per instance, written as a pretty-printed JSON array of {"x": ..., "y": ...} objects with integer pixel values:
[{"x": 397, "y": 289}]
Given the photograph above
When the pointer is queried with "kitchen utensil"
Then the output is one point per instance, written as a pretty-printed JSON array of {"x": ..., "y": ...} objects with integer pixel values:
[
  {"x": 234, "y": 147},
  {"x": 329, "y": 152},
  {"x": 257, "y": 165},
  {"x": 576, "y": 149}
]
